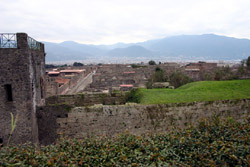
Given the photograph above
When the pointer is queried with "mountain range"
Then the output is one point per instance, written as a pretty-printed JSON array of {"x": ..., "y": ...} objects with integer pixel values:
[{"x": 175, "y": 48}]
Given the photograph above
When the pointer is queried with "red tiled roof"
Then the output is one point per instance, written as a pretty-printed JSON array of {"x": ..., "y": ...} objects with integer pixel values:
[
  {"x": 72, "y": 71},
  {"x": 53, "y": 72}
]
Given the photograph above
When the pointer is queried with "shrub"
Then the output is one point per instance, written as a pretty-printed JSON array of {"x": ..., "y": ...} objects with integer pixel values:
[
  {"x": 178, "y": 79},
  {"x": 211, "y": 143},
  {"x": 207, "y": 76},
  {"x": 138, "y": 66},
  {"x": 151, "y": 62},
  {"x": 225, "y": 73},
  {"x": 149, "y": 84},
  {"x": 77, "y": 64},
  {"x": 248, "y": 61},
  {"x": 134, "y": 65},
  {"x": 158, "y": 76},
  {"x": 133, "y": 96}
]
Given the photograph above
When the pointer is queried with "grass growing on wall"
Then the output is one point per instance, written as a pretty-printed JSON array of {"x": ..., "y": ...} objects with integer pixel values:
[
  {"x": 198, "y": 91},
  {"x": 215, "y": 143}
]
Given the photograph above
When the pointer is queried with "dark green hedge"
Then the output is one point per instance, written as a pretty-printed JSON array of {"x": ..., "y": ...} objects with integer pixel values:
[{"x": 211, "y": 143}]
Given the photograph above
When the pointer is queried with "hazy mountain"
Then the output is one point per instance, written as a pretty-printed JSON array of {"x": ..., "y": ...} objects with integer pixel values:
[
  {"x": 207, "y": 46},
  {"x": 90, "y": 49},
  {"x": 134, "y": 51},
  {"x": 55, "y": 52},
  {"x": 114, "y": 46},
  {"x": 183, "y": 47}
]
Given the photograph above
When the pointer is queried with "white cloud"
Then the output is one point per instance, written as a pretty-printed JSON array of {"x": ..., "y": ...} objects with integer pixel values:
[{"x": 110, "y": 21}]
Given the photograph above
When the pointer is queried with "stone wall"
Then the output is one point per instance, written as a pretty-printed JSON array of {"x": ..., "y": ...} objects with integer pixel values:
[
  {"x": 51, "y": 86},
  {"x": 87, "y": 99},
  {"x": 110, "y": 120},
  {"x": 21, "y": 68}
]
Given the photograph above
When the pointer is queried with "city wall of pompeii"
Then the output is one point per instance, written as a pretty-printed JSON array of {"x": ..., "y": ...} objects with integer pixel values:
[{"x": 79, "y": 102}]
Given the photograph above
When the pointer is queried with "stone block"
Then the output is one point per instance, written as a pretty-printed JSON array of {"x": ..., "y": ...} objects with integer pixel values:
[{"x": 160, "y": 85}]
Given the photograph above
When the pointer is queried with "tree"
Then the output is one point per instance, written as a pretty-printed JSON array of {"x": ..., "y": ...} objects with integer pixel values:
[
  {"x": 133, "y": 95},
  {"x": 49, "y": 66},
  {"x": 159, "y": 75},
  {"x": 151, "y": 62},
  {"x": 77, "y": 64},
  {"x": 224, "y": 73},
  {"x": 158, "y": 69},
  {"x": 244, "y": 66},
  {"x": 248, "y": 61},
  {"x": 178, "y": 79}
]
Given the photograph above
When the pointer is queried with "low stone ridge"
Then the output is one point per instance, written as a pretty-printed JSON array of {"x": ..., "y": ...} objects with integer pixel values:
[
  {"x": 110, "y": 120},
  {"x": 87, "y": 99}
]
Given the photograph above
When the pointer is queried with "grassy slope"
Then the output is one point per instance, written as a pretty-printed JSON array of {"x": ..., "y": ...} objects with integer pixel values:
[{"x": 198, "y": 91}]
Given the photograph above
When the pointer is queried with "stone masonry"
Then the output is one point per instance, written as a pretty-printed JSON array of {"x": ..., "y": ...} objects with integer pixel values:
[
  {"x": 109, "y": 120},
  {"x": 22, "y": 87}
]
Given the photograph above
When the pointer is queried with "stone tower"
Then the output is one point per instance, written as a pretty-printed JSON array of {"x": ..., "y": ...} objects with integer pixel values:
[{"x": 22, "y": 86}]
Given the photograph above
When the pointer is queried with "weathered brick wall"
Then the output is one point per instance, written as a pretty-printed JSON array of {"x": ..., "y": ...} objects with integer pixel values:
[
  {"x": 80, "y": 122},
  {"x": 87, "y": 99},
  {"x": 51, "y": 86},
  {"x": 23, "y": 69}
]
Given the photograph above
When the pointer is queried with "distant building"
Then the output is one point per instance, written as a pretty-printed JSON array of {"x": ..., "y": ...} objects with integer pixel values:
[
  {"x": 200, "y": 66},
  {"x": 195, "y": 70},
  {"x": 60, "y": 81}
]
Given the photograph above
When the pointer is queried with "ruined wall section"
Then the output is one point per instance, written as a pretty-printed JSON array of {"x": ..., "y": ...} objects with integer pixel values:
[
  {"x": 110, "y": 120},
  {"x": 37, "y": 59},
  {"x": 87, "y": 99},
  {"x": 20, "y": 71},
  {"x": 51, "y": 86}
]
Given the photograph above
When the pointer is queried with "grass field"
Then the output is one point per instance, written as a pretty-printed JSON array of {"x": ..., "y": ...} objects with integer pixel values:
[{"x": 198, "y": 91}]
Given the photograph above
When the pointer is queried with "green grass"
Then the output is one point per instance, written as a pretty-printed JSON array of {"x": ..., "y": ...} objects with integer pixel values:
[{"x": 198, "y": 91}]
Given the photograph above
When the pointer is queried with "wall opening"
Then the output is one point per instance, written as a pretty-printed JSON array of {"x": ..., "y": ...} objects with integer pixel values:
[
  {"x": 41, "y": 87},
  {"x": 1, "y": 143},
  {"x": 8, "y": 90}
]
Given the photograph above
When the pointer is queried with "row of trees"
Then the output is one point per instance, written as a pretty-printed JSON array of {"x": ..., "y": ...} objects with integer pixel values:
[
  {"x": 178, "y": 78},
  {"x": 246, "y": 62},
  {"x": 75, "y": 64},
  {"x": 227, "y": 73}
]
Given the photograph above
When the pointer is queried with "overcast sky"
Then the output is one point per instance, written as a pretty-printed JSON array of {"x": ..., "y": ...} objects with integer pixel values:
[{"x": 111, "y": 21}]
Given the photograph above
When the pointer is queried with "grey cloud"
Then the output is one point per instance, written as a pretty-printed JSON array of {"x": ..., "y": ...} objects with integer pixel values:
[{"x": 110, "y": 21}]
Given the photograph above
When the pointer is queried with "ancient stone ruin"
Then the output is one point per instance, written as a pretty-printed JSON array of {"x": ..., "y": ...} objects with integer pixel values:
[
  {"x": 77, "y": 103},
  {"x": 22, "y": 85}
]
